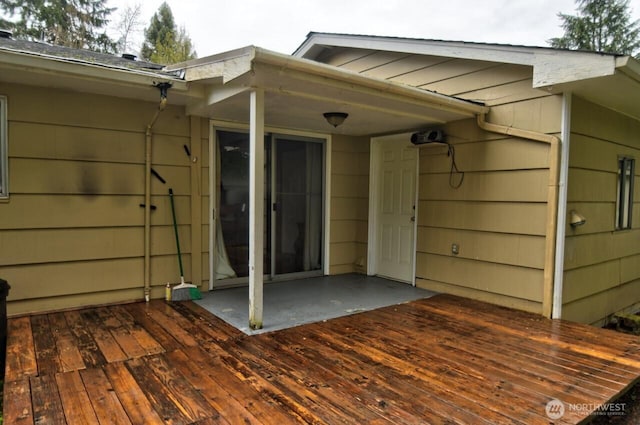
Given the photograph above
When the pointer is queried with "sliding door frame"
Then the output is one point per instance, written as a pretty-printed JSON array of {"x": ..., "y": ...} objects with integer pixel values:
[{"x": 212, "y": 211}]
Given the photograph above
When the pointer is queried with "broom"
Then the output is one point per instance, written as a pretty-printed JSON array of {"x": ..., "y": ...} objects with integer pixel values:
[{"x": 183, "y": 291}]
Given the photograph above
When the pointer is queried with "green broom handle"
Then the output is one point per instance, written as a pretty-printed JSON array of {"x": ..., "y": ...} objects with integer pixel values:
[{"x": 175, "y": 229}]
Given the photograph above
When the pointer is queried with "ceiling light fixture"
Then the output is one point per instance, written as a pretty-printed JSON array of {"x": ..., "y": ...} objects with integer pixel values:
[{"x": 335, "y": 118}]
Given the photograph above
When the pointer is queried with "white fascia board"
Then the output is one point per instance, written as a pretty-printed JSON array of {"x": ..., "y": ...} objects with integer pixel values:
[
  {"x": 629, "y": 66},
  {"x": 225, "y": 66},
  {"x": 550, "y": 66}
]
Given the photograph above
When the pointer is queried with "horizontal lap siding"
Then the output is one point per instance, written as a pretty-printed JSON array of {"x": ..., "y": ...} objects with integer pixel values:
[
  {"x": 72, "y": 231},
  {"x": 602, "y": 274},
  {"x": 498, "y": 216},
  {"x": 349, "y": 204}
]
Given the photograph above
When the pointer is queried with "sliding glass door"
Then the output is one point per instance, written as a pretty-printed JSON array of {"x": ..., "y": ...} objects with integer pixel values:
[
  {"x": 294, "y": 199},
  {"x": 297, "y": 206}
]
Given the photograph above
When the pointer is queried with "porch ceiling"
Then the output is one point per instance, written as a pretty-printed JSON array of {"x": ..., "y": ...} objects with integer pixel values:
[{"x": 298, "y": 92}]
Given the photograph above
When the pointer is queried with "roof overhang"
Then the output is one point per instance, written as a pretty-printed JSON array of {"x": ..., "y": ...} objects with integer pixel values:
[
  {"x": 27, "y": 68},
  {"x": 618, "y": 90},
  {"x": 298, "y": 92},
  {"x": 610, "y": 80}
]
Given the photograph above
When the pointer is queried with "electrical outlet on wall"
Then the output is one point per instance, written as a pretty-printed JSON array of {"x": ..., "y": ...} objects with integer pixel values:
[{"x": 455, "y": 249}]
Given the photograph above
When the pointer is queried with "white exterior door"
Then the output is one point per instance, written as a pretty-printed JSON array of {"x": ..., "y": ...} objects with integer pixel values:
[{"x": 395, "y": 207}]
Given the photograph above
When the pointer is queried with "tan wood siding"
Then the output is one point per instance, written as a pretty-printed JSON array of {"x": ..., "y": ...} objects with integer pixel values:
[
  {"x": 602, "y": 274},
  {"x": 479, "y": 294},
  {"x": 349, "y": 204},
  {"x": 510, "y": 281},
  {"x": 72, "y": 229},
  {"x": 491, "y": 247},
  {"x": 498, "y": 216}
]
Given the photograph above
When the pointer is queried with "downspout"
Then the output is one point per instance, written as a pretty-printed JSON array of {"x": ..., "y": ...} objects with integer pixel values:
[
  {"x": 552, "y": 200},
  {"x": 163, "y": 87},
  {"x": 562, "y": 207}
]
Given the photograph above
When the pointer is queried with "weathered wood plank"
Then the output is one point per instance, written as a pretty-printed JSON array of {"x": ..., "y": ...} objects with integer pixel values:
[
  {"x": 298, "y": 412},
  {"x": 515, "y": 385},
  {"x": 47, "y": 407},
  {"x": 75, "y": 399},
  {"x": 121, "y": 334},
  {"x": 404, "y": 393},
  {"x": 218, "y": 397},
  {"x": 174, "y": 324},
  {"x": 109, "y": 348},
  {"x": 449, "y": 395},
  {"x": 623, "y": 350},
  {"x": 17, "y": 408},
  {"x": 217, "y": 328},
  {"x": 156, "y": 392},
  {"x": 148, "y": 344},
  {"x": 104, "y": 400},
  {"x": 69, "y": 354},
  {"x": 45, "y": 345},
  {"x": 298, "y": 388},
  {"x": 87, "y": 346},
  {"x": 141, "y": 314},
  {"x": 262, "y": 404},
  {"x": 537, "y": 359},
  {"x": 21, "y": 354},
  {"x": 319, "y": 371},
  {"x": 186, "y": 398},
  {"x": 133, "y": 400},
  {"x": 188, "y": 322}
]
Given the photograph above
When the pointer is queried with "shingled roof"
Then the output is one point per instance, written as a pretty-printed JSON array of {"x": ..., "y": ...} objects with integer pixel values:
[{"x": 42, "y": 49}]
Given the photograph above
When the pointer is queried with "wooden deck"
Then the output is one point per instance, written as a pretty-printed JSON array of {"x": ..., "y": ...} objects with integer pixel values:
[{"x": 439, "y": 360}]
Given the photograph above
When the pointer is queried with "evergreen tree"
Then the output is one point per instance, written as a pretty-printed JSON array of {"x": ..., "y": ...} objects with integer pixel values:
[
  {"x": 601, "y": 26},
  {"x": 164, "y": 42},
  {"x": 72, "y": 23}
]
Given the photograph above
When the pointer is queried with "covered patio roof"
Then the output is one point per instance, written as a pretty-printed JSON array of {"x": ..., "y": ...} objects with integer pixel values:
[
  {"x": 607, "y": 79},
  {"x": 298, "y": 91}
]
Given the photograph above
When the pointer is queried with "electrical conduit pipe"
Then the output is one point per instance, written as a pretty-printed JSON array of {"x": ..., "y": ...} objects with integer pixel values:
[
  {"x": 147, "y": 197},
  {"x": 552, "y": 199}
]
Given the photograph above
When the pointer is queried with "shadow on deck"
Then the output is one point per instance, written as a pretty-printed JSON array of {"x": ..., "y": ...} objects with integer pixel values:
[{"x": 443, "y": 359}]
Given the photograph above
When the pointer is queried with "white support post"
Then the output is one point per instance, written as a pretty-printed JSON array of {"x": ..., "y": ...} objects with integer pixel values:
[{"x": 256, "y": 208}]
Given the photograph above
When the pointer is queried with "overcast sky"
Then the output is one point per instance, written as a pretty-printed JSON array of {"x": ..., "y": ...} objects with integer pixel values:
[{"x": 281, "y": 25}]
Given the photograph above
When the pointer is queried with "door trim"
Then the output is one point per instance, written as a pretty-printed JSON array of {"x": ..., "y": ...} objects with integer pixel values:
[{"x": 374, "y": 190}]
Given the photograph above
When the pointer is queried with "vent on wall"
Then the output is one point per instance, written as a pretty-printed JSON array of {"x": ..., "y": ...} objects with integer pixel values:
[{"x": 428, "y": 136}]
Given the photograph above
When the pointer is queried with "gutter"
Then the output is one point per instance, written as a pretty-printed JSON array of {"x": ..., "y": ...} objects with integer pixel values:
[
  {"x": 443, "y": 102},
  {"x": 552, "y": 200}
]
